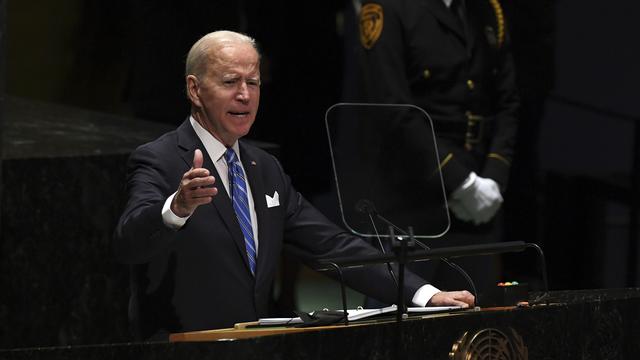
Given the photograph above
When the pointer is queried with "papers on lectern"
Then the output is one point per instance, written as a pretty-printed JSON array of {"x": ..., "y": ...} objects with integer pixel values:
[{"x": 359, "y": 314}]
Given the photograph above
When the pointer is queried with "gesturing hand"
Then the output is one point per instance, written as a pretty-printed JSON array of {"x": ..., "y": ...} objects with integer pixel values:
[
  {"x": 195, "y": 188},
  {"x": 452, "y": 298}
]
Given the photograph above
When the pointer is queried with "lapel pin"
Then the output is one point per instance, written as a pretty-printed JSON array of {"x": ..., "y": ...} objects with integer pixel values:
[{"x": 253, "y": 163}]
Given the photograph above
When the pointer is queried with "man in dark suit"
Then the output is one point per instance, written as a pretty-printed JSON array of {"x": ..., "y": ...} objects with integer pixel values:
[
  {"x": 451, "y": 58},
  {"x": 204, "y": 231}
]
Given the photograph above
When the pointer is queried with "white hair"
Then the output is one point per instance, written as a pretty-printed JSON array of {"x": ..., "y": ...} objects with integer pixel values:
[{"x": 201, "y": 52}]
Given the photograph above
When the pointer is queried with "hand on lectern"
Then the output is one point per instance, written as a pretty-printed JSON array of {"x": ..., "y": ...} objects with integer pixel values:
[
  {"x": 462, "y": 298},
  {"x": 477, "y": 199}
]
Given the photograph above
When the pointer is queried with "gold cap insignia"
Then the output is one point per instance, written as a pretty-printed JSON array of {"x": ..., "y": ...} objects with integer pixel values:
[{"x": 371, "y": 20}]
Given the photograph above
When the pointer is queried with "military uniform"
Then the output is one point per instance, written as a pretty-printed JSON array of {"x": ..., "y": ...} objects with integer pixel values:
[
  {"x": 457, "y": 68},
  {"x": 455, "y": 64}
]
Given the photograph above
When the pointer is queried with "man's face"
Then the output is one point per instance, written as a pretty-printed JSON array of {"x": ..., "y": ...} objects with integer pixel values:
[{"x": 229, "y": 93}]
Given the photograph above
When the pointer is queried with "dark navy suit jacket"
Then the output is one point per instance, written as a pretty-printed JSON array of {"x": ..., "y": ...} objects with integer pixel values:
[{"x": 198, "y": 277}]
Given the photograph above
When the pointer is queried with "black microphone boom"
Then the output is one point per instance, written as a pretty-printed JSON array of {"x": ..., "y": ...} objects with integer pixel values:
[{"x": 449, "y": 252}]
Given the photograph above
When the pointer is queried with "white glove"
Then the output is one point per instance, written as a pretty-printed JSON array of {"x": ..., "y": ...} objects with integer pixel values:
[
  {"x": 480, "y": 197},
  {"x": 458, "y": 209}
]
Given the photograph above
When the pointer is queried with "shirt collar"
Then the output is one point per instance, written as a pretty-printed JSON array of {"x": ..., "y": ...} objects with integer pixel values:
[{"x": 213, "y": 146}]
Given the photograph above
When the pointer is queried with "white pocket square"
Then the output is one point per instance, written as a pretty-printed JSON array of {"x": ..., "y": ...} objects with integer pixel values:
[{"x": 273, "y": 201}]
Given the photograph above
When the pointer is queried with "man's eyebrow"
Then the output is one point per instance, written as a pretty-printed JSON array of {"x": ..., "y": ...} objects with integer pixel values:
[
  {"x": 236, "y": 75},
  {"x": 230, "y": 75}
]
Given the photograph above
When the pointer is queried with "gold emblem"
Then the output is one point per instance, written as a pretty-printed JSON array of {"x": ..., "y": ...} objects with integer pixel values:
[
  {"x": 490, "y": 343},
  {"x": 371, "y": 21}
]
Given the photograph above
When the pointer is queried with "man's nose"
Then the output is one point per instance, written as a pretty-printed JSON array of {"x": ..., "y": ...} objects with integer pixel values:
[{"x": 243, "y": 92}]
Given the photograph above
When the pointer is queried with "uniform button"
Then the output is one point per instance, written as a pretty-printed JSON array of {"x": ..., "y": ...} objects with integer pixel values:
[
  {"x": 470, "y": 84},
  {"x": 426, "y": 73}
]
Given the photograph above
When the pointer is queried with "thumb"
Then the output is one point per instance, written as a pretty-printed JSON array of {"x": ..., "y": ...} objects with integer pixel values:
[{"x": 197, "y": 159}]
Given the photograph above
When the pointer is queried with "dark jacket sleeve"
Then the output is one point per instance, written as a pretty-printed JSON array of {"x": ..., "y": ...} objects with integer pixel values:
[{"x": 141, "y": 233}]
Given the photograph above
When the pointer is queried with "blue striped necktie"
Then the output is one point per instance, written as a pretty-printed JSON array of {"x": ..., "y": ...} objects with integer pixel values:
[{"x": 238, "y": 187}]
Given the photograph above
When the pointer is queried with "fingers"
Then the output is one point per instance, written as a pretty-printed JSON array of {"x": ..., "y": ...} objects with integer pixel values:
[
  {"x": 462, "y": 304},
  {"x": 458, "y": 209},
  {"x": 465, "y": 297},
  {"x": 195, "y": 189},
  {"x": 193, "y": 193},
  {"x": 479, "y": 202},
  {"x": 194, "y": 181},
  {"x": 462, "y": 298},
  {"x": 196, "y": 173},
  {"x": 486, "y": 214},
  {"x": 198, "y": 181},
  {"x": 198, "y": 200},
  {"x": 198, "y": 192}
]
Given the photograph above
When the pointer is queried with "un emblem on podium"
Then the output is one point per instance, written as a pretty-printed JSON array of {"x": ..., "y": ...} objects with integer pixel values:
[{"x": 489, "y": 344}]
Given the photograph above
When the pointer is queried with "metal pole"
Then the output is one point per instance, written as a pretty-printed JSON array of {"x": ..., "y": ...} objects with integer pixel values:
[
  {"x": 3, "y": 61},
  {"x": 632, "y": 254}
]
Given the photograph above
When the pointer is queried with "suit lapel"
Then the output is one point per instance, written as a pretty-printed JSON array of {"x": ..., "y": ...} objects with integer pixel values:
[
  {"x": 188, "y": 142},
  {"x": 474, "y": 24},
  {"x": 446, "y": 17},
  {"x": 253, "y": 169}
]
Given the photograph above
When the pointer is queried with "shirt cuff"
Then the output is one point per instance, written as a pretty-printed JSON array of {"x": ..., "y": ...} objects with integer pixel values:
[
  {"x": 422, "y": 297},
  {"x": 170, "y": 219}
]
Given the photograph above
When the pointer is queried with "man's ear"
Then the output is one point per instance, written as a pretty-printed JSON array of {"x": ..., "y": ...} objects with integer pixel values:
[{"x": 193, "y": 88}]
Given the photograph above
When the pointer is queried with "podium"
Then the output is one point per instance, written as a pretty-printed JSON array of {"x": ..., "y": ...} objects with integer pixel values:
[{"x": 587, "y": 324}]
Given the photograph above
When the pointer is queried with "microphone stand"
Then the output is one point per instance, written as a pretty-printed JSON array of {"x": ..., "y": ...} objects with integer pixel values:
[
  {"x": 403, "y": 243},
  {"x": 367, "y": 207},
  {"x": 401, "y": 246}
]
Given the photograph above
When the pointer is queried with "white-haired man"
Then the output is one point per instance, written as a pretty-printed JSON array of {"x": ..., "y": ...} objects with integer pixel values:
[{"x": 207, "y": 215}]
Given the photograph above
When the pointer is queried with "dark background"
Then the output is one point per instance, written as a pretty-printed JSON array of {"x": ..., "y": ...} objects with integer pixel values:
[{"x": 84, "y": 82}]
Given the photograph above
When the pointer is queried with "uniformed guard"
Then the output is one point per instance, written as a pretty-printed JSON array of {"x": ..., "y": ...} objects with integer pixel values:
[{"x": 452, "y": 59}]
